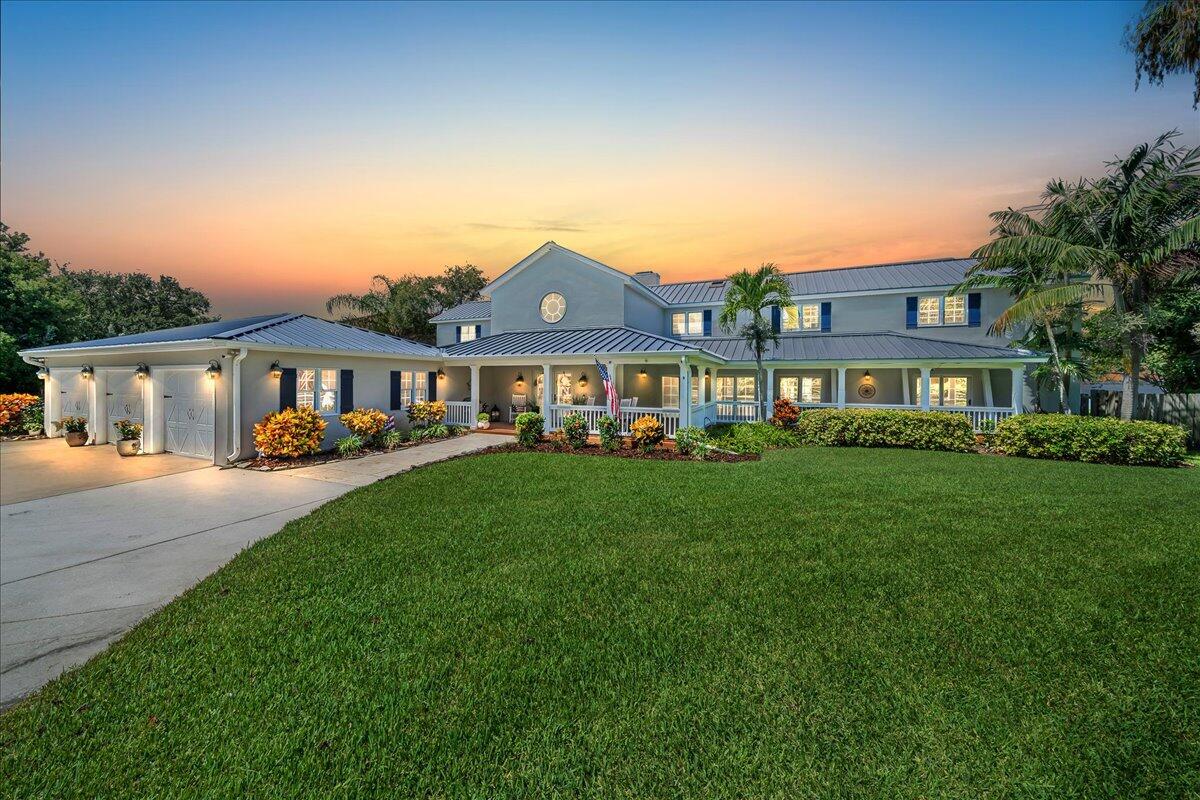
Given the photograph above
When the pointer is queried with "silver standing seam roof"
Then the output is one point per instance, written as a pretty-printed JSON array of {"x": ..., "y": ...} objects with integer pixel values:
[
  {"x": 871, "y": 346},
  {"x": 288, "y": 330},
  {"x": 469, "y": 312},
  {"x": 571, "y": 341}
]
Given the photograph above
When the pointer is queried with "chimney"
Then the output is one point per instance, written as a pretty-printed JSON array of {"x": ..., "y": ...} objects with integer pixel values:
[{"x": 647, "y": 277}]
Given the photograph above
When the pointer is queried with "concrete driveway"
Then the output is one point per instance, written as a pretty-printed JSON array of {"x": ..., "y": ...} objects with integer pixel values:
[{"x": 77, "y": 570}]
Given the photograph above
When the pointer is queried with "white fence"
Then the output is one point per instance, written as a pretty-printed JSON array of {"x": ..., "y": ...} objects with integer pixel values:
[
  {"x": 737, "y": 411},
  {"x": 669, "y": 417},
  {"x": 458, "y": 412}
]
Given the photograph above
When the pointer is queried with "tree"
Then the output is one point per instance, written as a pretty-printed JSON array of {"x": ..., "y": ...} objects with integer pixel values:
[
  {"x": 120, "y": 303},
  {"x": 1166, "y": 40},
  {"x": 1173, "y": 329},
  {"x": 1134, "y": 232},
  {"x": 751, "y": 292},
  {"x": 403, "y": 306},
  {"x": 36, "y": 308}
]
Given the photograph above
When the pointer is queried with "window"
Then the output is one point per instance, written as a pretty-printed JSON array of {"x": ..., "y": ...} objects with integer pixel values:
[
  {"x": 948, "y": 390},
  {"x": 317, "y": 389},
  {"x": 934, "y": 310},
  {"x": 800, "y": 390},
  {"x": 562, "y": 385},
  {"x": 687, "y": 323},
  {"x": 419, "y": 382},
  {"x": 745, "y": 389},
  {"x": 696, "y": 389},
  {"x": 553, "y": 307},
  {"x": 789, "y": 319},
  {"x": 539, "y": 386},
  {"x": 724, "y": 388},
  {"x": 810, "y": 316},
  {"x": 466, "y": 333},
  {"x": 670, "y": 391},
  {"x": 406, "y": 384},
  {"x": 955, "y": 310}
]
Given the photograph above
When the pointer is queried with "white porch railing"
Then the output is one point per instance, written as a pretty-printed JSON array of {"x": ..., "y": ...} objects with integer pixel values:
[
  {"x": 705, "y": 414},
  {"x": 737, "y": 410},
  {"x": 458, "y": 412},
  {"x": 669, "y": 417}
]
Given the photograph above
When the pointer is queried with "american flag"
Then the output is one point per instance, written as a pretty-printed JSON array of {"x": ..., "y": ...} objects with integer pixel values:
[{"x": 610, "y": 389}]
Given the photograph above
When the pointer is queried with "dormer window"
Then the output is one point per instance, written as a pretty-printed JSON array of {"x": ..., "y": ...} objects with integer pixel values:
[{"x": 687, "y": 323}]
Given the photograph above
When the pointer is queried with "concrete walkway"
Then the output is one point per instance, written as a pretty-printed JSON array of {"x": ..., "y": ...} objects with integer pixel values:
[{"x": 78, "y": 570}]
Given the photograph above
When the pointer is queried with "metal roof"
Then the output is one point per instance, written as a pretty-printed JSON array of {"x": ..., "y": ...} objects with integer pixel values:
[
  {"x": 874, "y": 346},
  {"x": 876, "y": 277},
  {"x": 473, "y": 310},
  {"x": 286, "y": 330},
  {"x": 574, "y": 341}
]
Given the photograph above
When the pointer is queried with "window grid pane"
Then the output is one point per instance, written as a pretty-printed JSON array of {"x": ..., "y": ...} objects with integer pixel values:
[
  {"x": 811, "y": 391},
  {"x": 695, "y": 323},
  {"x": 790, "y": 319},
  {"x": 670, "y": 391},
  {"x": 679, "y": 324},
  {"x": 929, "y": 311},
  {"x": 466, "y": 333},
  {"x": 328, "y": 390},
  {"x": 305, "y": 388},
  {"x": 406, "y": 386},
  {"x": 419, "y": 381},
  {"x": 956, "y": 310},
  {"x": 745, "y": 389},
  {"x": 789, "y": 388},
  {"x": 812, "y": 317},
  {"x": 954, "y": 391},
  {"x": 724, "y": 388}
]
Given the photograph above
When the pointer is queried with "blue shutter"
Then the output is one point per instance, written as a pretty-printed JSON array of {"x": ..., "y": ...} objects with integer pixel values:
[
  {"x": 826, "y": 317},
  {"x": 973, "y": 314},
  {"x": 287, "y": 388},
  {"x": 776, "y": 319},
  {"x": 431, "y": 386},
  {"x": 708, "y": 322},
  {"x": 911, "y": 318},
  {"x": 478, "y": 331},
  {"x": 457, "y": 334},
  {"x": 396, "y": 399},
  {"x": 346, "y": 390}
]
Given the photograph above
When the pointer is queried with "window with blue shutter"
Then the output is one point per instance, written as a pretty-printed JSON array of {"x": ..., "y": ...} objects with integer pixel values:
[
  {"x": 776, "y": 319},
  {"x": 973, "y": 310},
  {"x": 708, "y": 322},
  {"x": 478, "y": 331},
  {"x": 287, "y": 388},
  {"x": 826, "y": 317},
  {"x": 347, "y": 390},
  {"x": 910, "y": 319},
  {"x": 432, "y": 386}
]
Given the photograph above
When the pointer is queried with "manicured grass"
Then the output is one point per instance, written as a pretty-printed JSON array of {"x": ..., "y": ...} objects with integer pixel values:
[{"x": 824, "y": 623}]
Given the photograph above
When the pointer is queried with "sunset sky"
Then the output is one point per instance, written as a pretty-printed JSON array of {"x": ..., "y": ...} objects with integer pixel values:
[{"x": 273, "y": 154}]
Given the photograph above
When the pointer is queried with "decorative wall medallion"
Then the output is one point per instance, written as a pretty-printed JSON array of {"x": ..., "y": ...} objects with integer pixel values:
[{"x": 866, "y": 391}]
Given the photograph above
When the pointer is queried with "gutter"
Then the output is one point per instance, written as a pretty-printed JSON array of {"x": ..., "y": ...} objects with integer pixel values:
[{"x": 237, "y": 404}]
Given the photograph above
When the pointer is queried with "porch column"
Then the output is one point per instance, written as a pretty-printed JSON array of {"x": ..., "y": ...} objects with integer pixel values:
[
  {"x": 701, "y": 394},
  {"x": 52, "y": 408},
  {"x": 474, "y": 395},
  {"x": 986, "y": 376},
  {"x": 770, "y": 391},
  {"x": 841, "y": 387},
  {"x": 685, "y": 392},
  {"x": 907, "y": 388},
  {"x": 926, "y": 388},
  {"x": 1018, "y": 389},
  {"x": 98, "y": 407},
  {"x": 547, "y": 395}
]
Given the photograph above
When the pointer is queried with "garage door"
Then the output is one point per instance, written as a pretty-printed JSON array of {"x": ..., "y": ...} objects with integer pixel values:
[
  {"x": 188, "y": 408},
  {"x": 124, "y": 398},
  {"x": 74, "y": 390}
]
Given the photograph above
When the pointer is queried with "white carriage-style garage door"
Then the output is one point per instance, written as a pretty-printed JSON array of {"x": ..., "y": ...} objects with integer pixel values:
[
  {"x": 188, "y": 408},
  {"x": 124, "y": 398},
  {"x": 74, "y": 396}
]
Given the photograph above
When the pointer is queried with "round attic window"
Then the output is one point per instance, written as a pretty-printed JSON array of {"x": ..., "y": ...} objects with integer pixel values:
[{"x": 553, "y": 307}]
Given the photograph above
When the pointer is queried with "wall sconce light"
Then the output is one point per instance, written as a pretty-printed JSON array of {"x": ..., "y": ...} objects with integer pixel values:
[
  {"x": 441, "y": 375},
  {"x": 520, "y": 379},
  {"x": 43, "y": 374},
  {"x": 583, "y": 379},
  {"x": 276, "y": 370},
  {"x": 142, "y": 371},
  {"x": 87, "y": 372},
  {"x": 214, "y": 370},
  {"x": 707, "y": 372},
  {"x": 867, "y": 376},
  {"x": 642, "y": 372}
]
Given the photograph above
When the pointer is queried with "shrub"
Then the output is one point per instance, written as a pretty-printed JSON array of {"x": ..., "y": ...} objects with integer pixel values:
[
  {"x": 33, "y": 418},
  {"x": 483, "y": 416},
  {"x": 393, "y": 439},
  {"x": 349, "y": 445},
  {"x": 755, "y": 437},
  {"x": 12, "y": 408},
  {"x": 918, "y": 430},
  {"x": 1106, "y": 440},
  {"x": 529, "y": 428},
  {"x": 289, "y": 433},
  {"x": 427, "y": 412},
  {"x": 365, "y": 423},
  {"x": 575, "y": 431},
  {"x": 690, "y": 440},
  {"x": 610, "y": 432},
  {"x": 646, "y": 432},
  {"x": 127, "y": 430},
  {"x": 435, "y": 431},
  {"x": 72, "y": 424},
  {"x": 785, "y": 413}
]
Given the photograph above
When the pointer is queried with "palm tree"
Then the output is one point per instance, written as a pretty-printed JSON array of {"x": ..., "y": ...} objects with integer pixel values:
[
  {"x": 1166, "y": 41},
  {"x": 752, "y": 292},
  {"x": 1135, "y": 232},
  {"x": 401, "y": 306}
]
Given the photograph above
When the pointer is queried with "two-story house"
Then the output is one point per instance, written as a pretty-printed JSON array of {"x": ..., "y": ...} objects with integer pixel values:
[{"x": 882, "y": 336}]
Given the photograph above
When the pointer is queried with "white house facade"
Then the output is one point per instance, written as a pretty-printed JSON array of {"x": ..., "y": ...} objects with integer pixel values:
[{"x": 882, "y": 336}]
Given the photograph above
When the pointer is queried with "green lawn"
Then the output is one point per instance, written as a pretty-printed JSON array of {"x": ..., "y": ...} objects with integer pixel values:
[{"x": 822, "y": 623}]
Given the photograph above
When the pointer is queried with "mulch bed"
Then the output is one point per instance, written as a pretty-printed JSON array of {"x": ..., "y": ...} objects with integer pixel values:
[
  {"x": 266, "y": 464},
  {"x": 20, "y": 437},
  {"x": 653, "y": 455}
]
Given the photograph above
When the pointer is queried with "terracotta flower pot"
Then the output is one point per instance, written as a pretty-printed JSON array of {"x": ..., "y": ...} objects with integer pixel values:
[
  {"x": 76, "y": 439},
  {"x": 129, "y": 447},
  {"x": 484, "y": 425}
]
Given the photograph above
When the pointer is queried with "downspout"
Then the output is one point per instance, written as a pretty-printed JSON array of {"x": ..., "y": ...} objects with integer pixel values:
[{"x": 237, "y": 404}]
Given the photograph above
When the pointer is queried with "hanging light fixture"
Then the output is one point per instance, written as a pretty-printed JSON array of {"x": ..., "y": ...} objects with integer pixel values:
[
  {"x": 441, "y": 375},
  {"x": 87, "y": 372},
  {"x": 867, "y": 376},
  {"x": 214, "y": 370},
  {"x": 642, "y": 372},
  {"x": 520, "y": 378},
  {"x": 276, "y": 370},
  {"x": 583, "y": 379},
  {"x": 142, "y": 371}
]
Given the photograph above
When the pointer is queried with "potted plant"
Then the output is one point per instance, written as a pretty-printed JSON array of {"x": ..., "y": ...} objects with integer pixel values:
[
  {"x": 483, "y": 420},
  {"x": 130, "y": 443},
  {"x": 74, "y": 430}
]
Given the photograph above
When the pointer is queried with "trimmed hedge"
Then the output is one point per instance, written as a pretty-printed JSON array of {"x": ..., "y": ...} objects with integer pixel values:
[
  {"x": 1103, "y": 440},
  {"x": 917, "y": 430}
]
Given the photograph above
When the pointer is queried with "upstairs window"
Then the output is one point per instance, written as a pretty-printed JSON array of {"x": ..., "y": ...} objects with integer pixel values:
[
  {"x": 466, "y": 333},
  {"x": 934, "y": 310},
  {"x": 954, "y": 310},
  {"x": 810, "y": 316},
  {"x": 929, "y": 311},
  {"x": 789, "y": 318},
  {"x": 687, "y": 323}
]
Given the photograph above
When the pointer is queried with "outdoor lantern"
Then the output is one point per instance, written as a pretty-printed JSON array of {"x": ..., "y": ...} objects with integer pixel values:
[
  {"x": 583, "y": 379},
  {"x": 87, "y": 372},
  {"x": 441, "y": 375},
  {"x": 43, "y": 374},
  {"x": 142, "y": 371},
  {"x": 276, "y": 370},
  {"x": 214, "y": 369},
  {"x": 520, "y": 379},
  {"x": 642, "y": 372},
  {"x": 867, "y": 376}
]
